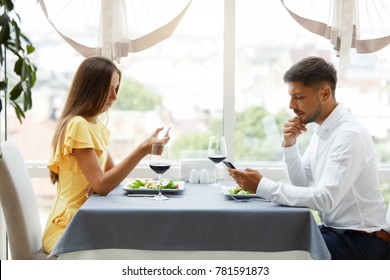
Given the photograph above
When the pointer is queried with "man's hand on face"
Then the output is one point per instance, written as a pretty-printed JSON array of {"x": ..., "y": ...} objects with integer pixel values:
[{"x": 291, "y": 130}]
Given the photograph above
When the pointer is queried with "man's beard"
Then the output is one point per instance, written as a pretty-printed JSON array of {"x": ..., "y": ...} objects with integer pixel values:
[{"x": 310, "y": 118}]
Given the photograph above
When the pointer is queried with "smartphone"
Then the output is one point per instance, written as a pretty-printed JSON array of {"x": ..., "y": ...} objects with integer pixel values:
[
  {"x": 164, "y": 133},
  {"x": 167, "y": 132},
  {"x": 229, "y": 164}
]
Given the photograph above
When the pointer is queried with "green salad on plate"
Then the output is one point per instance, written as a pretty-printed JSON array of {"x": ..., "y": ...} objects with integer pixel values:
[
  {"x": 238, "y": 190},
  {"x": 152, "y": 184}
]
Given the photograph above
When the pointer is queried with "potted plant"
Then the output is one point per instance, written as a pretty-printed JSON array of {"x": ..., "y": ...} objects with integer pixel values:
[{"x": 15, "y": 48}]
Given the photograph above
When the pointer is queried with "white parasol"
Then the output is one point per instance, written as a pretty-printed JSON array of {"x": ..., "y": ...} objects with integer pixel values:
[
  {"x": 114, "y": 28},
  {"x": 360, "y": 24}
]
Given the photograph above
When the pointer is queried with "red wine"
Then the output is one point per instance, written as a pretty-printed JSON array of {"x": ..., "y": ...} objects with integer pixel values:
[
  {"x": 217, "y": 159},
  {"x": 159, "y": 168}
]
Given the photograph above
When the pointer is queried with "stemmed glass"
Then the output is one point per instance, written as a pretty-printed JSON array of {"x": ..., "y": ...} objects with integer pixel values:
[
  {"x": 217, "y": 152},
  {"x": 159, "y": 163}
]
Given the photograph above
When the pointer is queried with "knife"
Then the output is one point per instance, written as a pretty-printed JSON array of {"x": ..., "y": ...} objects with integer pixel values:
[{"x": 140, "y": 195}]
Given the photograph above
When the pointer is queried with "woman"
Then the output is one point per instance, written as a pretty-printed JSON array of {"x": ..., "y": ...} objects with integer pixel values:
[{"x": 81, "y": 163}]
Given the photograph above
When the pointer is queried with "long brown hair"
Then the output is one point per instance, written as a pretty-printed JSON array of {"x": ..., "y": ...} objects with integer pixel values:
[{"x": 87, "y": 95}]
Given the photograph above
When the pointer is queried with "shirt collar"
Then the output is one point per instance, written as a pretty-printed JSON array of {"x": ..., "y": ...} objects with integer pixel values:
[{"x": 331, "y": 121}]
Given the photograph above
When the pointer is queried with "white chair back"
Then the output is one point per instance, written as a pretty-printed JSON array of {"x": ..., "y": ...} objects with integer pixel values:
[{"x": 19, "y": 206}]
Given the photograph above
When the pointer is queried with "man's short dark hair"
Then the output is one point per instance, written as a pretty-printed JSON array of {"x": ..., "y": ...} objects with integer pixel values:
[{"x": 312, "y": 71}]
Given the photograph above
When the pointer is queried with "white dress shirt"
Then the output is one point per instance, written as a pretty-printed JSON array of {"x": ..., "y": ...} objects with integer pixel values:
[{"x": 337, "y": 176}]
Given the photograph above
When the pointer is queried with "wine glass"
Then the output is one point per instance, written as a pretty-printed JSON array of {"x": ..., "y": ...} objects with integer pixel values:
[
  {"x": 159, "y": 163},
  {"x": 217, "y": 152}
]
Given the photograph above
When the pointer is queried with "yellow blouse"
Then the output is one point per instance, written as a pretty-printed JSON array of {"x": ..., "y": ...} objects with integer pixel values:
[{"x": 70, "y": 195}]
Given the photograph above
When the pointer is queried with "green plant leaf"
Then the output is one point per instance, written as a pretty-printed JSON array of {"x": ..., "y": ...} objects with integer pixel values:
[
  {"x": 30, "y": 76},
  {"x": 24, "y": 74},
  {"x": 5, "y": 29},
  {"x": 27, "y": 104},
  {"x": 16, "y": 91},
  {"x": 1, "y": 54},
  {"x": 16, "y": 36},
  {"x": 18, "y": 66},
  {"x": 30, "y": 49},
  {"x": 26, "y": 40},
  {"x": 3, "y": 86},
  {"x": 19, "y": 47},
  {"x": 12, "y": 47},
  {"x": 19, "y": 112},
  {"x": 33, "y": 76},
  {"x": 9, "y": 5}
]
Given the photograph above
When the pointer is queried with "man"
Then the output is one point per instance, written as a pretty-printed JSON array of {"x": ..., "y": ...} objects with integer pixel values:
[{"x": 337, "y": 174}]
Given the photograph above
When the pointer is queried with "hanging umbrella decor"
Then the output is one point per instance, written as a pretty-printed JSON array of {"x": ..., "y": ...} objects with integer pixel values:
[
  {"x": 114, "y": 28},
  {"x": 360, "y": 24}
]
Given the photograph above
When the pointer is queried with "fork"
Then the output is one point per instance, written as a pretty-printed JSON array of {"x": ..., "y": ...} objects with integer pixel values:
[
  {"x": 249, "y": 199},
  {"x": 239, "y": 200}
]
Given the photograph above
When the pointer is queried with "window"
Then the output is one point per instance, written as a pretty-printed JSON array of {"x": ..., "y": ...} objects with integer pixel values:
[
  {"x": 268, "y": 42},
  {"x": 177, "y": 82},
  {"x": 207, "y": 78}
]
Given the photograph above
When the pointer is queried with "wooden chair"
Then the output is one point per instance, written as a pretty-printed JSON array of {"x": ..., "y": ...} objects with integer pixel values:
[{"x": 19, "y": 206}]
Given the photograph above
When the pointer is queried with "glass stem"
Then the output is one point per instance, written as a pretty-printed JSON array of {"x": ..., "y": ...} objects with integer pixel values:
[
  {"x": 216, "y": 174},
  {"x": 159, "y": 185}
]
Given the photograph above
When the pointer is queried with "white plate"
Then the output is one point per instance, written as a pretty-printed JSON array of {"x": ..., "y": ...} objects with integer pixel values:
[
  {"x": 145, "y": 189},
  {"x": 226, "y": 191}
]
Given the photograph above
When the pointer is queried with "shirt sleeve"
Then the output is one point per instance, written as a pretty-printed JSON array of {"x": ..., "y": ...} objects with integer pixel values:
[
  {"x": 342, "y": 166},
  {"x": 298, "y": 170},
  {"x": 79, "y": 134}
]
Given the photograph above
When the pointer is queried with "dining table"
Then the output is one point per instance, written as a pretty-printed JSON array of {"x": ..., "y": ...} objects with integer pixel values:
[{"x": 200, "y": 221}]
